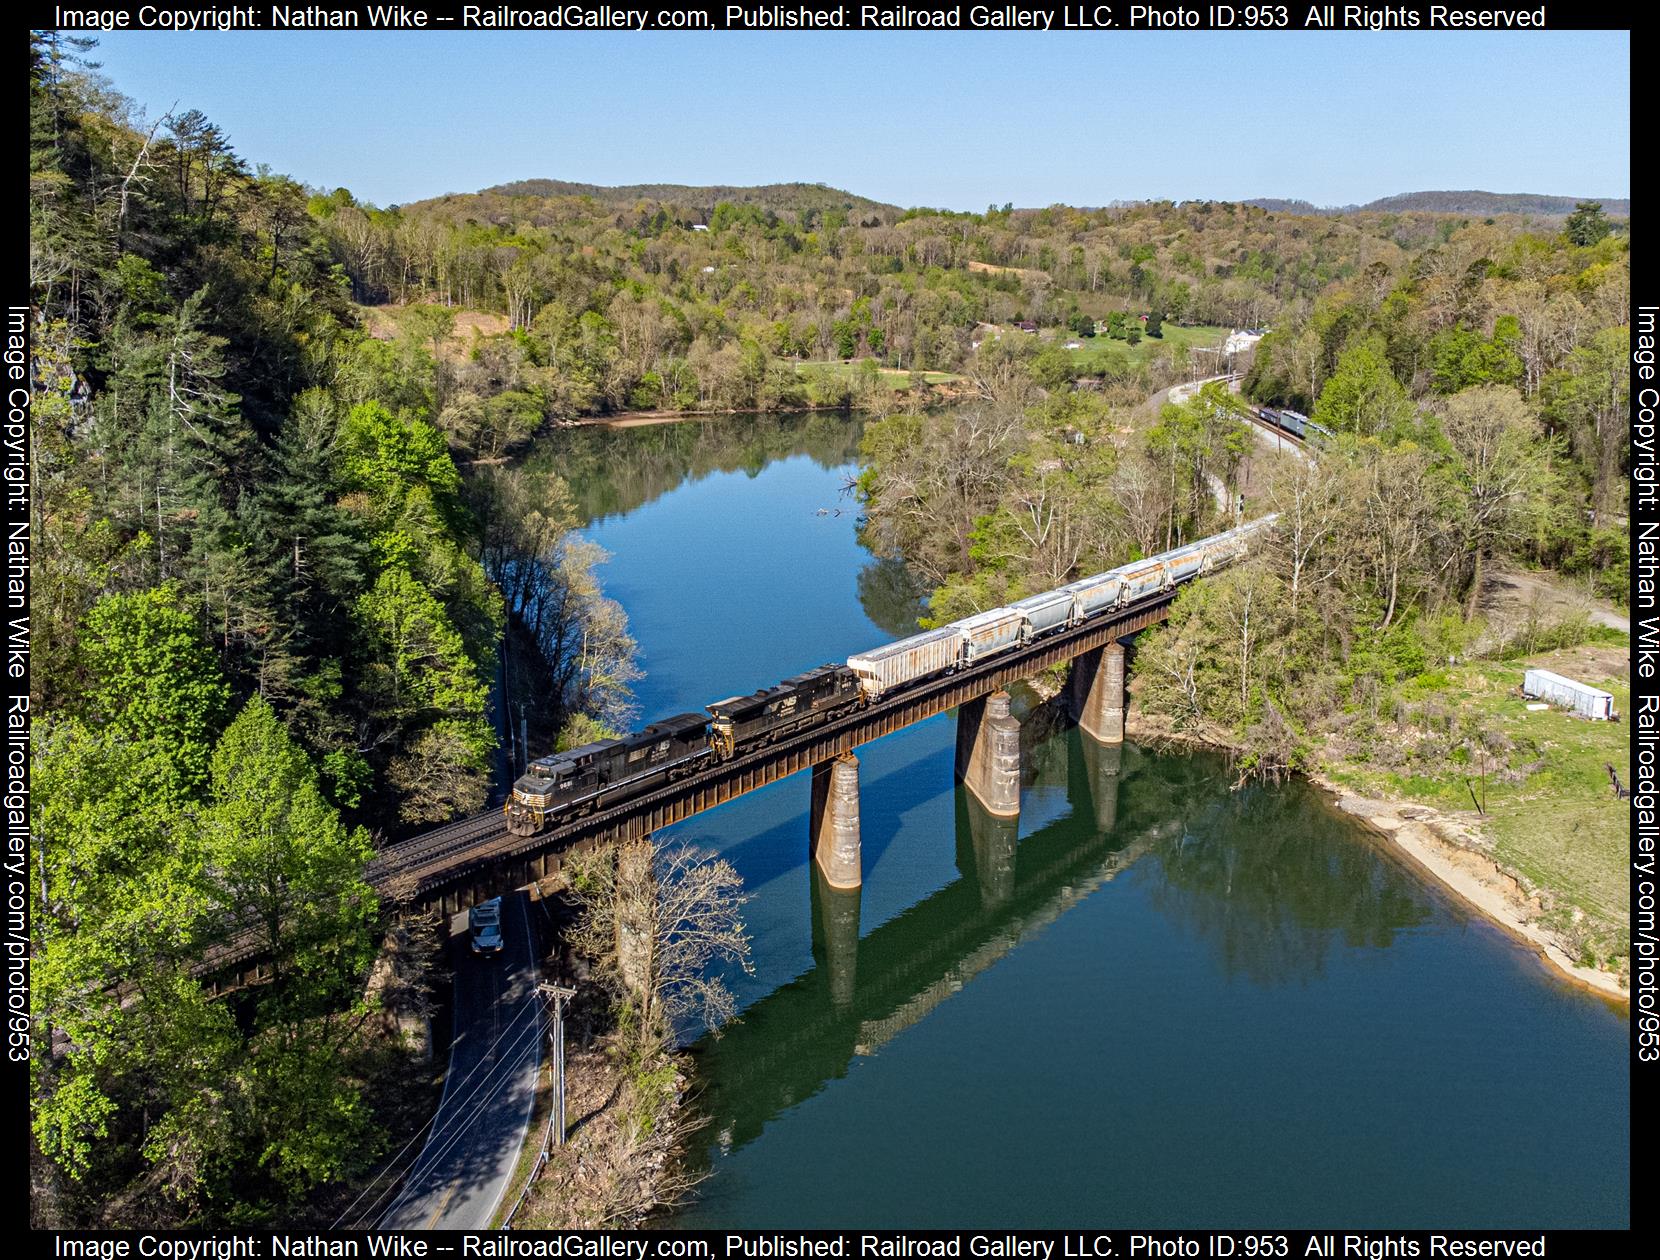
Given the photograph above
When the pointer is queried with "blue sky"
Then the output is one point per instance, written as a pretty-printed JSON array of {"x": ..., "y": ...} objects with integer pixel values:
[{"x": 962, "y": 120}]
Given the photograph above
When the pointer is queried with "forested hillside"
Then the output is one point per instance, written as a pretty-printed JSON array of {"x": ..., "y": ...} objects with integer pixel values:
[
  {"x": 266, "y": 612},
  {"x": 1467, "y": 202},
  {"x": 1475, "y": 383},
  {"x": 622, "y": 302}
]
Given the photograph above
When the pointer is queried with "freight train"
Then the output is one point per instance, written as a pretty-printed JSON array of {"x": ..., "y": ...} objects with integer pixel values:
[
  {"x": 570, "y": 785},
  {"x": 1293, "y": 422}
]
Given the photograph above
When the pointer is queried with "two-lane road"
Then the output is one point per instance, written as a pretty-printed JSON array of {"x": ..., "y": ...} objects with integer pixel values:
[{"x": 461, "y": 1175}]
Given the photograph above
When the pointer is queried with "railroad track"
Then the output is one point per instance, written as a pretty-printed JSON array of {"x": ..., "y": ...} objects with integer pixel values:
[
  {"x": 1284, "y": 435},
  {"x": 411, "y": 867},
  {"x": 436, "y": 845}
]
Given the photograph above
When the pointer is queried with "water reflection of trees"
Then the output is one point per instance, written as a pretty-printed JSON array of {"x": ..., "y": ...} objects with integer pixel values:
[
  {"x": 892, "y": 596},
  {"x": 1268, "y": 875},
  {"x": 613, "y": 471}
]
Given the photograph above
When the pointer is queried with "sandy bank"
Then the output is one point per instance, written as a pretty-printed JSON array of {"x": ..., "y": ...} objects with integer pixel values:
[{"x": 1448, "y": 848}]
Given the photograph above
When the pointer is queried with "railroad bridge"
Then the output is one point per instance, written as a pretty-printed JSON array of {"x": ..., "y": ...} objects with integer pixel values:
[
  {"x": 459, "y": 865},
  {"x": 453, "y": 867}
]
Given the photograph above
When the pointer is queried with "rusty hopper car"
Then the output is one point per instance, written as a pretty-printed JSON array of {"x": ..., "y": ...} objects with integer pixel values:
[
  {"x": 894, "y": 664},
  {"x": 774, "y": 712},
  {"x": 1143, "y": 578},
  {"x": 989, "y": 632},
  {"x": 1185, "y": 562},
  {"x": 610, "y": 770},
  {"x": 1045, "y": 612},
  {"x": 1094, "y": 594}
]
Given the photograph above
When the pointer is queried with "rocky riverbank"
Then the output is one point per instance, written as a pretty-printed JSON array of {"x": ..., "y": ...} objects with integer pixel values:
[{"x": 623, "y": 1162}]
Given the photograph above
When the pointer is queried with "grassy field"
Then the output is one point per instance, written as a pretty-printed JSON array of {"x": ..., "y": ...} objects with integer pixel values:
[
  {"x": 1097, "y": 349},
  {"x": 893, "y": 378},
  {"x": 1552, "y": 817}
]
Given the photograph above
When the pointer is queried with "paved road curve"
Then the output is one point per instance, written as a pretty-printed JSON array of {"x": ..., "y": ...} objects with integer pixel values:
[{"x": 459, "y": 1179}]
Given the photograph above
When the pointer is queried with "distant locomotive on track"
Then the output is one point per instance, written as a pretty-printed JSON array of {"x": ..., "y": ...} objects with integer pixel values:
[
  {"x": 1293, "y": 422},
  {"x": 570, "y": 785}
]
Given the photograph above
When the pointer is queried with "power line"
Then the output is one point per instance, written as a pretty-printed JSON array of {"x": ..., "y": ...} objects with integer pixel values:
[
  {"x": 424, "y": 1162},
  {"x": 418, "y": 1132}
]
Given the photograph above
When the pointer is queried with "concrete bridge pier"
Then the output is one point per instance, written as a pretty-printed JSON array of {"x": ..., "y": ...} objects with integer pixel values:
[
  {"x": 992, "y": 840},
  {"x": 1098, "y": 693},
  {"x": 988, "y": 753},
  {"x": 1103, "y": 764},
  {"x": 835, "y": 821},
  {"x": 836, "y": 936}
]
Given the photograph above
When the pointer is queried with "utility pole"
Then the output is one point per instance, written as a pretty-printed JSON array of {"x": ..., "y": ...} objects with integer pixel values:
[{"x": 559, "y": 995}]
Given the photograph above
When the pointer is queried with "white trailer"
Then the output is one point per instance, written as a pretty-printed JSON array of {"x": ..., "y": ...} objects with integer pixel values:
[{"x": 1585, "y": 701}]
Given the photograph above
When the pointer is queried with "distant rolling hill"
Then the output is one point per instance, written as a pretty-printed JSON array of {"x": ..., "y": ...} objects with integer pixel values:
[
  {"x": 809, "y": 202},
  {"x": 779, "y": 198},
  {"x": 1471, "y": 202}
]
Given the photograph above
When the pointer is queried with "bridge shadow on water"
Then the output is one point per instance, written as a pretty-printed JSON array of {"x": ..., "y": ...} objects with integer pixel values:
[
  {"x": 1264, "y": 876},
  {"x": 785, "y": 846}
]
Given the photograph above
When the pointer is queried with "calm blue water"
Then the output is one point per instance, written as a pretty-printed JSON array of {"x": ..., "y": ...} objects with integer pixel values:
[{"x": 1155, "y": 1001}]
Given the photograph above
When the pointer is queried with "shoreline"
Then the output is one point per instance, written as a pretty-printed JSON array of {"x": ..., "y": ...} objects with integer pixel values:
[
  {"x": 1438, "y": 846},
  {"x": 1434, "y": 844},
  {"x": 637, "y": 419}
]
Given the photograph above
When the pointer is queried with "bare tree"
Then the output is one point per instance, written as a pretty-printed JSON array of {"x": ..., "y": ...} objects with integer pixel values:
[
  {"x": 1504, "y": 470},
  {"x": 1141, "y": 493},
  {"x": 1310, "y": 508},
  {"x": 438, "y": 778},
  {"x": 665, "y": 919}
]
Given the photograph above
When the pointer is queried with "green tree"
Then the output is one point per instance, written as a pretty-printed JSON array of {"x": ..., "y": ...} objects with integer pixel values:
[
  {"x": 417, "y": 677},
  {"x": 114, "y": 933},
  {"x": 1362, "y": 396},
  {"x": 1587, "y": 224},
  {"x": 390, "y": 456},
  {"x": 153, "y": 676},
  {"x": 1463, "y": 360},
  {"x": 275, "y": 859}
]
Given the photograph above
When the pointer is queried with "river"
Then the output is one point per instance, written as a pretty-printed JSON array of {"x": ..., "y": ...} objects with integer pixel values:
[{"x": 1156, "y": 1001}]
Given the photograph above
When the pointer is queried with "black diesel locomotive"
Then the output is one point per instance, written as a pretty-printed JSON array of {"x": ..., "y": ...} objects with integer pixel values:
[
  {"x": 576, "y": 783},
  {"x": 595, "y": 775},
  {"x": 770, "y": 714}
]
